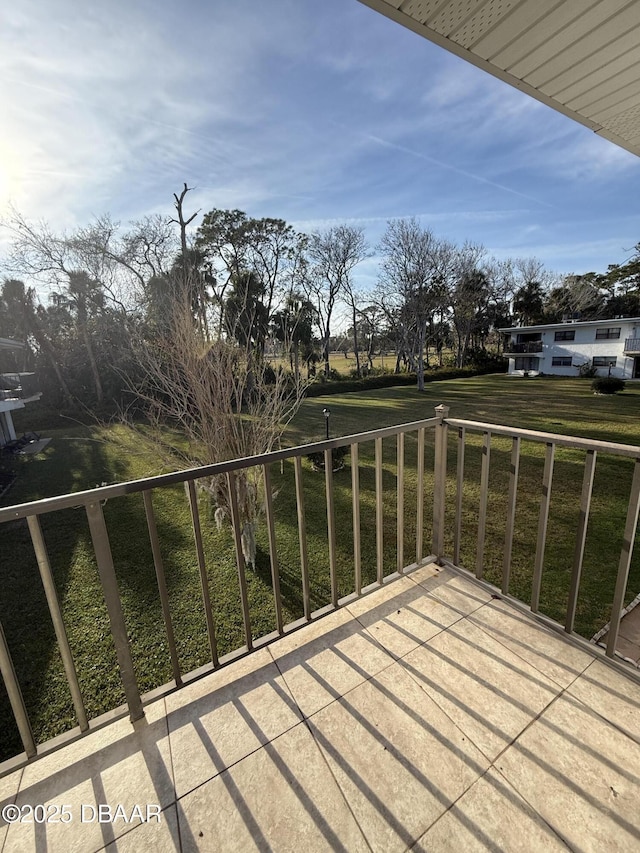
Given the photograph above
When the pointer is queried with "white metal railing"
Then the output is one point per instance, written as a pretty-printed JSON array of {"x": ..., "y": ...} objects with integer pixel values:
[
  {"x": 524, "y": 347},
  {"x": 93, "y": 500},
  {"x": 21, "y": 386},
  {"x": 447, "y": 525},
  {"x": 632, "y": 345},
  {"x": 551, "y": 441}
]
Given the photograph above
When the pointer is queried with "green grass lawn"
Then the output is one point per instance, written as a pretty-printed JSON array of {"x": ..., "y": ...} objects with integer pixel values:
[{"x": 82, "y": 457}]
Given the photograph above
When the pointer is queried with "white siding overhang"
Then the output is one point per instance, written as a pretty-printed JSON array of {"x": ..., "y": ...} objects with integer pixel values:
[{"x": 581, "y": 57}]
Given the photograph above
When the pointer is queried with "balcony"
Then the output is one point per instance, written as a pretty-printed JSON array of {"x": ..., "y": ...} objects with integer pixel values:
[
  {"x": 428, "y": 710},
  {"x": 632, "y": 346},
  {"x": 22, "y": 387},
  {"x": 523, "y": 348}
]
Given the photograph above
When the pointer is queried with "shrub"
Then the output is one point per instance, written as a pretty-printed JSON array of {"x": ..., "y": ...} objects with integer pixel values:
[
  {"x": 367, "y": 372},
  {"x": 587, "y": 371},
  {"x": 388, "y": 380},
  {"x": 337, "y": 457},
  {"x": 607, "y": 385},
  {"x": 346, "y": 385},
  {"x": 481, "y": 359}
]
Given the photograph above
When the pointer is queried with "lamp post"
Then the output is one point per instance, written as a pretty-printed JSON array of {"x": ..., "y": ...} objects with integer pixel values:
[{"x": 327, "y": 415}]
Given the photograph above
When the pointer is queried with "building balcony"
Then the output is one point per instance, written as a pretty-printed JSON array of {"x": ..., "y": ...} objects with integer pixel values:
[
  {"x": 428, "y": 710},
  {"x": 632, "y": 346},
  {"x": 20, "y": 387},
  {"x": 524, "y": 348}
]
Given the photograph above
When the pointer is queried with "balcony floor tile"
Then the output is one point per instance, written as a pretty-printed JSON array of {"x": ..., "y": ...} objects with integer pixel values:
[
  {"x": 326, "y": 659},
  {"x": 611, "y": 695},
  {"x": 161, "y": 837},
  {"x": 542, "y": 648},
  {"x": 491, "y": 815},
  {"x": 398, "y": 758},
  {"x": 401, "y": 616},
  {"x": 282, "y": 798},
  {"x": 9, "y": 787},
  {"x": 581, "y": 775},
  {"x": 120, "y": 764},
  {"x": 470, "y": 741},
  {"x": 489, "y": 692},
  {"x": 225, "y": 716},
  {"x": 455, "y": 591}
]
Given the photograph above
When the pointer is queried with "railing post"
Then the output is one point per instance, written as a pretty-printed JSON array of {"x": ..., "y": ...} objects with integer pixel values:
[
  {"x": 440, "y": 480},
  {"x": 15, "y": 697},
  {"x": 107, "y": 573},
  {"x": 630, "y": 529},
  {"x": 237, "y": 538},
  {"x": 64, "y": 648}
]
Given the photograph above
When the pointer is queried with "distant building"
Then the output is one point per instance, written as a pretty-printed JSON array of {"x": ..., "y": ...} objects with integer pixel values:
[
  {"x": 561, "y": 349},
  {"x": 16, "y": 390}
]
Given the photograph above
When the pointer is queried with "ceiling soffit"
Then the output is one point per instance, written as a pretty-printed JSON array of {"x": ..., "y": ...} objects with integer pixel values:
[{"x": 581, "y": 57}]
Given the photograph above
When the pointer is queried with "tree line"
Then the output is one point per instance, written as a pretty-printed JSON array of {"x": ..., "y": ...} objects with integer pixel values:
[
  {"x": 275, "y": 293},
  {"x": 187, "y": 329}
]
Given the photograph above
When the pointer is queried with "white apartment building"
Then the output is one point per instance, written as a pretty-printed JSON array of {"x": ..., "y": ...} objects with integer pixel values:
[{"x": 561, "y": 349}]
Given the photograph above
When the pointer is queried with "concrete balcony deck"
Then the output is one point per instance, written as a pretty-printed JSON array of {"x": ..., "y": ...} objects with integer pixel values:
[{"x": 425, "y": 716}]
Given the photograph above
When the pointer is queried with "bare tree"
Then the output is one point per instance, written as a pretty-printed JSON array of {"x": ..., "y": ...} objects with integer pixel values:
[
  {"x": 227, "y": 404},
  {"x": 414, "y": 269},
  {"x": 354, "y": 301},
  {"x": 122, "y": 261},
  {"x": 220, "y": 395},
  {"x": 333, "y": 255},
  {"x": 577, "y": 297},
  {"x": 469, "y": 296},
  {"x": 370, "y": 320}
]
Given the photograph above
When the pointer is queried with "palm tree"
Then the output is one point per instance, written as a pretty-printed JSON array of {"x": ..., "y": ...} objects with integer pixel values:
[{"x": 84, "y": 299}]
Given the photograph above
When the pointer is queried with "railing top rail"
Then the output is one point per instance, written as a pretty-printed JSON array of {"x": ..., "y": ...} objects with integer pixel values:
[
  {"x": 102, "y": 493},
  {"x": 524, "y": 346},
  {"x": 577, "y": 442}
]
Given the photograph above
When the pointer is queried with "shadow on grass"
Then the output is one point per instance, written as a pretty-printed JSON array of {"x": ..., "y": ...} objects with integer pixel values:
[{"x": 70, "y": 463}]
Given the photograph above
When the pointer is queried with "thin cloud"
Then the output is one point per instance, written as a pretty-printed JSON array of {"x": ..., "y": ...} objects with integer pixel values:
[
  {"x": 452, "y": 168},
  {"x": 315, "y": 113}
]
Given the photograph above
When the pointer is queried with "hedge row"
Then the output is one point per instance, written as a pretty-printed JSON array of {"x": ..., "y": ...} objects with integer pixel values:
[{"x": 345, "y": 386}]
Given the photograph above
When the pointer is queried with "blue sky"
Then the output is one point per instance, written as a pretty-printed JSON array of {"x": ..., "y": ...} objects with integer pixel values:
[{"x": 315, "y": 112}]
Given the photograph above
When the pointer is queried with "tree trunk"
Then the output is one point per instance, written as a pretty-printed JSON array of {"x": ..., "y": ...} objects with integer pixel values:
[
  {"x": 420, "y": 360},
  {"x": 296, "y": 363},
  {"x": 44, "y": 343},
  {"x": 356, "y": 351},
  {"x": 325, "y": 357},
  {"x": 94, "y": 367}
]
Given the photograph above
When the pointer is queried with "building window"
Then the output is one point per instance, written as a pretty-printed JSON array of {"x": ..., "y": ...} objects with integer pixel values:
[
  {"x": 607, "y": 334},
  {"x": 565, "y": 335},
  {"x": 527, "y": 363},
  {"x": 561, "y": 361},
  {"x": 604, "y": 360}
]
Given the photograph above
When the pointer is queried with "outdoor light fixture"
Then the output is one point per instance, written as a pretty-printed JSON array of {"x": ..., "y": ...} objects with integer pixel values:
[{"x": 327, "y": 415}]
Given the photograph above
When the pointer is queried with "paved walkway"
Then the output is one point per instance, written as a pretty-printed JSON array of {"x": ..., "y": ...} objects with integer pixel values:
[{"x": 426, "y": 716}]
